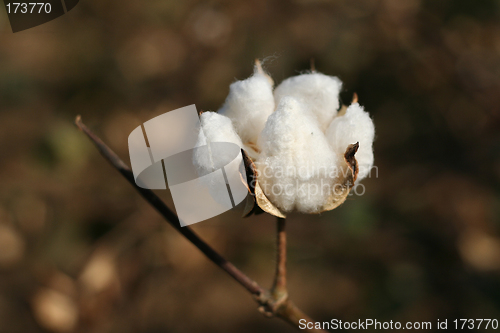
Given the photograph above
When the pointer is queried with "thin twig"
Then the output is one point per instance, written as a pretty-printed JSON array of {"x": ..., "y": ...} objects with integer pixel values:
[
  {"x": 170, "y": 216},
  {"x": 279, "y": 290},
  {"x": 282, "y": 307},
  {"x": 279, "y": 303}
]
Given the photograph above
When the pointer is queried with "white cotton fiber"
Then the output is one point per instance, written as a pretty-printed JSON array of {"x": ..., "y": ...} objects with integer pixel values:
[
  {"x": 355, "y": 126},
  {"x": 249, "y": 104},
  {"x": 209, "y": 158},
  {"x": 318, "y": 92},
  {"x": 214, "y": 128},
  {"x": 296, "y": 160}
]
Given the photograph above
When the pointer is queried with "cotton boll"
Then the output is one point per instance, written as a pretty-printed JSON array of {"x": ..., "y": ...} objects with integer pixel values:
[
  {"x": 214, "y": 128},
  {"x": 214, "y": 151},
  {"x": 249, "y": 104},
  {"x": 296, "y": 161},
  {"x": 219, "y": 128},
  {"x": 355, "y": 126},
  {"x": 318, "y": 92}
]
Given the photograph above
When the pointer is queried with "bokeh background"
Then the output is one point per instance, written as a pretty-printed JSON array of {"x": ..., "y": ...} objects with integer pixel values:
[{"x": 80, "y": 251}]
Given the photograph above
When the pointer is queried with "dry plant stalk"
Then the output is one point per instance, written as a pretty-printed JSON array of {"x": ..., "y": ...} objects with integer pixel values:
[{"x": 272, "y": 303}]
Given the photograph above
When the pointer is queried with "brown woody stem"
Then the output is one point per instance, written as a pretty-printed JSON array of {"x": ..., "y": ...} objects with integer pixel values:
[
  {"x": 279, "y": 290},
  {"x": 170, "y": 216},
  {"x": 281, "y": 307}
]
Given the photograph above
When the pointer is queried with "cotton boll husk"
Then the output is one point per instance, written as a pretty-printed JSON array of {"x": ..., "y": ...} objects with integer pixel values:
[
  {"x": 318, "y": 92},
  {"x": 354, "y": 126},
  {"x": 294, "y": 168},
  {"x": 249, "y": 104}
]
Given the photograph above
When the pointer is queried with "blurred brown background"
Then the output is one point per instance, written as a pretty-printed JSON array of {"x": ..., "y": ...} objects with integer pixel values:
[{"x": 80, "y": 251}]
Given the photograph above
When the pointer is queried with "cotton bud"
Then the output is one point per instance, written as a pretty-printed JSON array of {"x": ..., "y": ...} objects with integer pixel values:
[
  {"x": 318, "y": 92},
  {"x": 354, "y": 126},
  {"x": 296, "y": 161},
  {"x": 249, "y": 104}
]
